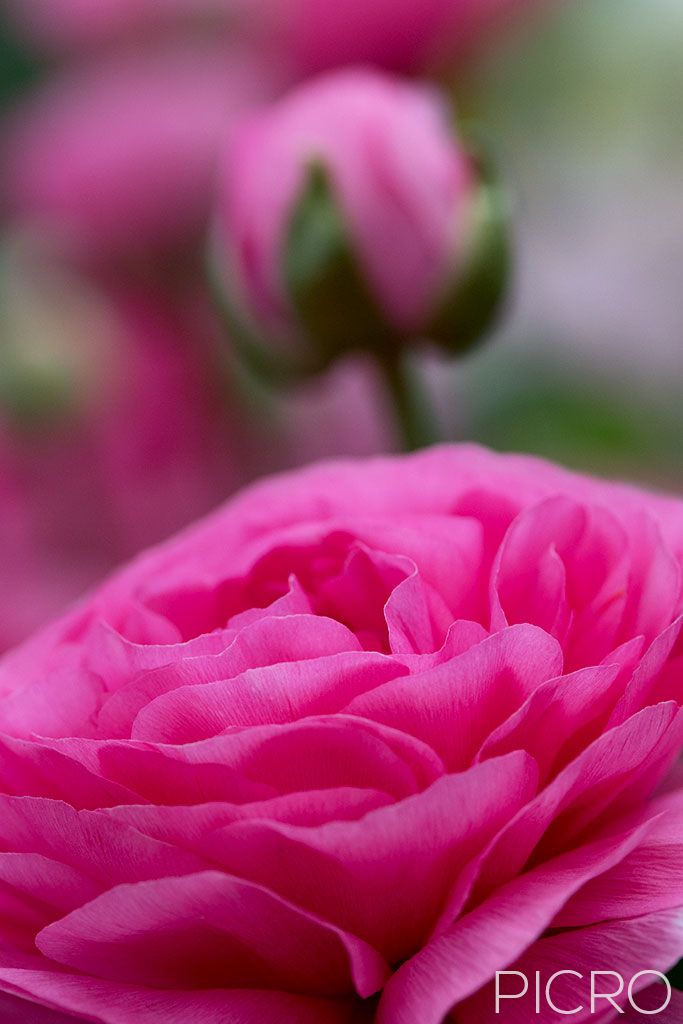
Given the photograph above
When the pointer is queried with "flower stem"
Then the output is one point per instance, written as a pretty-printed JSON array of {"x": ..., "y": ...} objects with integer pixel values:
[{"x": 410, "y": 401}]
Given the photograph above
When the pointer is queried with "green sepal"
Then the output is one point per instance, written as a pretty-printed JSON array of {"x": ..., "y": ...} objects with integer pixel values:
[
  {"x": 265, "y": 360},
  {"x": 335, "y": 309},
  {"x": 472, "y": 304}
]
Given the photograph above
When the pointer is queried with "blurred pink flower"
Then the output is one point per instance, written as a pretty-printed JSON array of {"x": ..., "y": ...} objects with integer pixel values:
[
  {"x": 341, "y": 412},
  {"x": 312, "y": 35},
  {"x": 61, "y": 24},
  {"x": 119, "y": 155},
  {"x": 113, "y": 433},
  {"x": 36, "y": 594},
  {"x": 403, "y": 186},
  {"x": 399, "y": 35},
  {"x": 367, "y": 735}
]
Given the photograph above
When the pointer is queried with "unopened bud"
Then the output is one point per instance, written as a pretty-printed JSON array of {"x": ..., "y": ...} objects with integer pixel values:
[{"x": 354, "y": 218}]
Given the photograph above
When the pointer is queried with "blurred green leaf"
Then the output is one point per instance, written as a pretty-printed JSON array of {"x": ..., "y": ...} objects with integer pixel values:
[
  {"x": 574, "y": 417},
  {"x": 18, "y": 68}
]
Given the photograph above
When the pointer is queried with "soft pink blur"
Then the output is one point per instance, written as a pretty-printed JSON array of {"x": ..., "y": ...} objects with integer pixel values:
[
  {"x": 370, "y": 733},
  {"x": 139, "y": 443},
  {"x": 37, "y": 591},
  {"x": 310, "y": 35},
  {"x": 119, "y": 155},
  {"x": 58, "y": 24},
  {"x": 342, "y": 412},
  {"x": 122, "y": 425},
  {"x": 399, "y": 35},
  {"x": 403, "y": 183}
]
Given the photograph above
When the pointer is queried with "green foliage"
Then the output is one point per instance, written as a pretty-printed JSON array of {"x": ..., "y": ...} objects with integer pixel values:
[
  {"x": 569, "y": 416},
  {"x": 18, "y": 69}
]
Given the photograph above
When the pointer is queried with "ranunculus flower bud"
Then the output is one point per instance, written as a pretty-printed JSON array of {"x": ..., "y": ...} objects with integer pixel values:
[{"x": 352, "y": 216}]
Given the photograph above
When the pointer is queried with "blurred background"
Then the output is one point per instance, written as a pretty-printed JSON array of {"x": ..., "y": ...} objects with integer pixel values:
[
  {"x": 588, "y": 366},
  {"x": 124, "y": 414}
]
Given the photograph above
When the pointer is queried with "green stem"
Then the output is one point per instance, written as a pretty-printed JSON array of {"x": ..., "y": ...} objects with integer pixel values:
[{"x": 410, "y": 400}]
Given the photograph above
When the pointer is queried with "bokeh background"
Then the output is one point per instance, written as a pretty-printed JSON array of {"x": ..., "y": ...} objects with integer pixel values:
[
  {"x": 588, "y": 368},
  {"x": 123, "y": 412}
]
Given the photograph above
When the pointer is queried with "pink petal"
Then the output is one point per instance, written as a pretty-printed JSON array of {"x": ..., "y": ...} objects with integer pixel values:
[
  {"x": 383, "y": 878},
  {"x": 559, "y": 711},
  {"x": 110, "y": 1003},
  {"x": 260, "y": 763},
  {"x": 455, "y": 706},
  {"x": 18, "y": 1011},
  {"x": 653, "y": 943},
  {"x": 90, "y": 842},
  {"x": 643, "y": 688},
  {"x": 186, "y": 826},
  {"x": 461, "y": 960},
  {"x": 263, "y": 642},
  {"x": 38, "y": 769},
  {"x": 648, "y": 880},
  {"x": 208, "y": 931},
  {"x": 270, "y": 695},
  {"x": 603, "y": 776}
]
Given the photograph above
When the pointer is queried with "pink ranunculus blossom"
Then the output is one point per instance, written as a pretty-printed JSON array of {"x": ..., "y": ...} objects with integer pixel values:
[
  {"x": 119, "y": 154},
  {"x": 369, "y": 734},
  {"x": 402, "y": 187}
]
